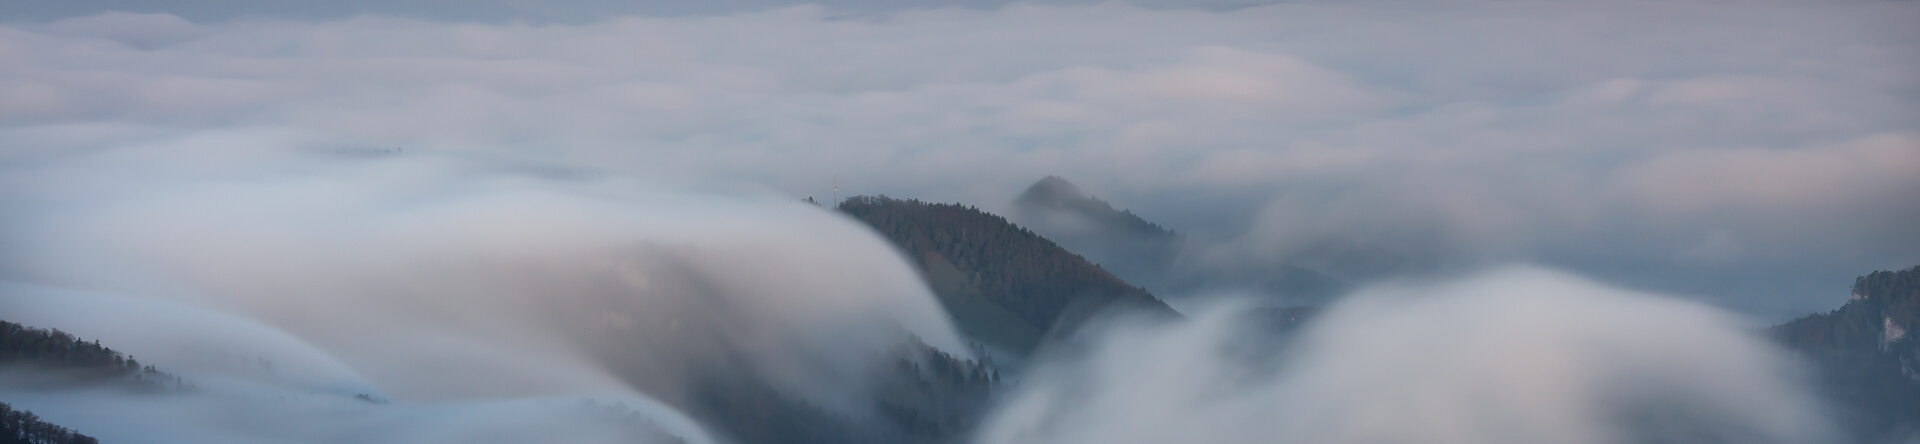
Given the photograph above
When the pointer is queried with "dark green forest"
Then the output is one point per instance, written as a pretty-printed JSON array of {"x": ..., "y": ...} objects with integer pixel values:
[
  {"x": 55, "y": 349},
  {"x": 77, "y": 361},
  {"x": 996, "y": 277},
  {"x": 20, "y": 344},
  {"x": 23, "y": 427},
  {"x": 60, "y": 358},
  {"x": 1004, "y": 284},
  {"x": 1866, "y": 354}
]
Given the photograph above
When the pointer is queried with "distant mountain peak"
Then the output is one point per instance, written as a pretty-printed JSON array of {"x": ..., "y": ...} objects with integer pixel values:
[
  {"x": 1053, "y": 191},
  {"x": 1058, "y": 197}
]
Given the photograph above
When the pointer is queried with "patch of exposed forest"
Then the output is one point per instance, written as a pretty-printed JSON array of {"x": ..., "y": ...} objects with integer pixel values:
[
  {"x": 1867, "y": 354},
  {"x": 1056, "y": 194},
  {"x": 1041, "y": 285},
  {"x": 23, "y": 427},
  {"x": 69, "y": 359}
]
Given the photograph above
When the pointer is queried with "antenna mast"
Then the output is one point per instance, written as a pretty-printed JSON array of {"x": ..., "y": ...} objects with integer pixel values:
[{"x": 836, "y": 190}]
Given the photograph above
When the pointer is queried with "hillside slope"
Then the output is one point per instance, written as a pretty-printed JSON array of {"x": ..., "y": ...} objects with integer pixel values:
[
  {"x": 39, "y": 358},
  {"x": 1005, "y": 285},
  {"x": 60, "y": 359},
  {"x": 1126, "y": 244},
  {"x": 23, "y": 427},
  {"x": 1867, "y": 356}
]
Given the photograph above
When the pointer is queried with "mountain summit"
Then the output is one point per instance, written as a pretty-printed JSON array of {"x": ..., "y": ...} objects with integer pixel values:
[
  {"x": 1056, "y": 195},
  {"x": 1126, "y": 244},
  {"x": 1052, "y": 191}
]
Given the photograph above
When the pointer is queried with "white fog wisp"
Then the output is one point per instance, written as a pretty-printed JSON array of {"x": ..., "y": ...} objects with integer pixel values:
[{"x": 1512, "y": 356}]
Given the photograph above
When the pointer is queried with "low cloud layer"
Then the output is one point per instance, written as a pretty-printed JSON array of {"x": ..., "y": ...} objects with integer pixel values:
[
  {"x": 492, "y": 220},
  {"x": 1511, "y": 356},
  {"x": 1757, "y": 155},
  {"x": 549, "y": 11},
  {"x": 451, "y": 284}
]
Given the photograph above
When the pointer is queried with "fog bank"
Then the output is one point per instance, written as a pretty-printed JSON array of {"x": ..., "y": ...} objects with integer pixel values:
[
  {"x": 1510, "y": 356},
  {"x": 435, "y": 278},
  {"x": 1752, "y": 155}
]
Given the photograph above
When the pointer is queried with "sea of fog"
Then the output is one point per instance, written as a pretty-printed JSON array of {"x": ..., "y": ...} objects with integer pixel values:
[{"x": 318, "y": 294}]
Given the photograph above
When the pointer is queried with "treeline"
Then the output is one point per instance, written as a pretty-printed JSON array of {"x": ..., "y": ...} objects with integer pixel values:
[
  {"x": 20, "y": 343},
  {"x": 23, "y": 427},
  {"x": 1011, "y": 266},
  {"x": 1880, "y": 299},
  {"x": 78, "y": 360},
  {"x": 1897, "y": 292}
]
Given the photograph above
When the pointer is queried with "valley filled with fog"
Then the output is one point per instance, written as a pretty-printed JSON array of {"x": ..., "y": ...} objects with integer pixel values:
[{"x": 962, "y": 222}]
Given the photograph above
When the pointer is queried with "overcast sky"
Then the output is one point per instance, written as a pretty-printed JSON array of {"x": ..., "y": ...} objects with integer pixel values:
[
  {"x": 547, "y": 11},
  {"x": 1757, "y": 154}
]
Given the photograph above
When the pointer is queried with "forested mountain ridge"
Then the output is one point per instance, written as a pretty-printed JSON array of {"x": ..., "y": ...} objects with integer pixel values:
[
  {"x": 76, "y": 361},
  {"x": 1004, "y": 284},
  {"x": 38, "y": 356},
  {"x": 1867, "y": 357},
  {"x": 23, "y": 427},
  {"x": 1884, "y": 307}
]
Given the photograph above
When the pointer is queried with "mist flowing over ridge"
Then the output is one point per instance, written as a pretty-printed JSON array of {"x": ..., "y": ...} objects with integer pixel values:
[
  {"x": 1153, "y": 256},
  {"x": 1324, "y": 221},
  {"x": 443, "y": 279},
  {"x": 502, "y": 290}
]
